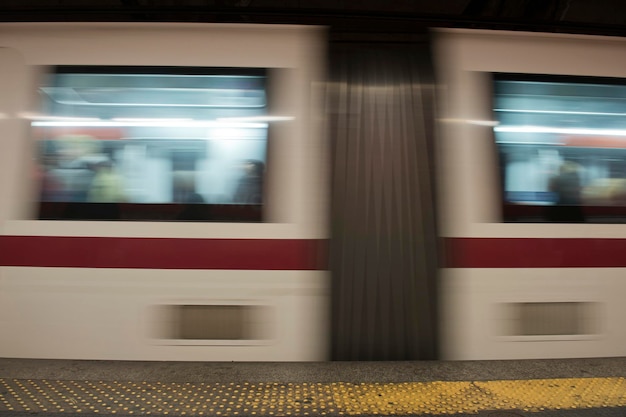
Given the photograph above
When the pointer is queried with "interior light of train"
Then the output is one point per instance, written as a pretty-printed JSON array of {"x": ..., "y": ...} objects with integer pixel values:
[
  {"x": 152, "y": 123},
  {"x": 573, "y": 113},
  {"x": 132, "y": 96},
  {"x": 149, "y": 120},
  {"x": 558, "y": 130},
  {"x": 257, "y": 119},
  {"x": 521, "y": 142}
]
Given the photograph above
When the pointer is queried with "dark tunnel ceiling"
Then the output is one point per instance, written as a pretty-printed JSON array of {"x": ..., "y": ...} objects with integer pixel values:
[{"x": 372, "y": 16}]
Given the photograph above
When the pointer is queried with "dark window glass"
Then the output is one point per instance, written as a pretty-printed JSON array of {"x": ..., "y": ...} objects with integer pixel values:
[
  {"x": 128, "y": 143},
  {"x": 562, "y": 147}
]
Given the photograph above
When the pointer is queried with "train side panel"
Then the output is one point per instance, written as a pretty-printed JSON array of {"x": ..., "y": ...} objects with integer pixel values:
[
  {"x": 502, "y": 280},
  {"x": 161, "y": 290}
]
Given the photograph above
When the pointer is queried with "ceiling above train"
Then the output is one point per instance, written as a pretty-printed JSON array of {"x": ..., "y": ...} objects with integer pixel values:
[{"x": 343, "y": 16}]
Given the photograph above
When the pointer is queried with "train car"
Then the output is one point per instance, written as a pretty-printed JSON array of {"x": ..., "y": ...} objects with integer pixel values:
[
  {"x": 531, "y": 182},
  {"x": 163, "y": 192},
  {"x": 166, "y": 194}
]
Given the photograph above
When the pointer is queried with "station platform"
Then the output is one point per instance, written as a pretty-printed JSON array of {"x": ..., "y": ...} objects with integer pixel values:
[{"x": 571, "y": 388}]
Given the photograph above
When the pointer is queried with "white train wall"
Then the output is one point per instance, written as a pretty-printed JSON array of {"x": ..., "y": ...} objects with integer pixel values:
[
  {"x": 97, "y": 289},
  {"x": 105, "y": 289},
  {"x": 492, "y": 266}
]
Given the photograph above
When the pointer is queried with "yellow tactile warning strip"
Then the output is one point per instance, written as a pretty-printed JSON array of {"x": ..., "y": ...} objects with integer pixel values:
[{"x": 114, "y": 397}]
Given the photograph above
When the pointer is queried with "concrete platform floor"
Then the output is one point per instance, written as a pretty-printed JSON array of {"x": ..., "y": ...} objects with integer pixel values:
[
  {"x": 324, "y": 372},
  {"x": 568, "y": 388}
]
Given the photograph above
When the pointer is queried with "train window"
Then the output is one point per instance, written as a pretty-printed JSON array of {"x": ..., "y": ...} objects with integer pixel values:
[
  {"x": 129, "y": 143},
  {"x": 562, "y": 148}
]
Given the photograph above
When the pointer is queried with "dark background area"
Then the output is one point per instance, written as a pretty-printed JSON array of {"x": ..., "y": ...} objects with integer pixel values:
[{"x": 388, "y": 17}]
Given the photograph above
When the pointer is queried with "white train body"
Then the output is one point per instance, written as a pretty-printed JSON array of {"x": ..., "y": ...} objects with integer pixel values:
[
  {"x": 111, "y": 305},
  {"x": 123, "y": 290},
  {"x": 496, "y": 268}
]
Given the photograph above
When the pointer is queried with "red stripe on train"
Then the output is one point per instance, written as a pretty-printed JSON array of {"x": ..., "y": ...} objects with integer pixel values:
[
  {"x": 534, "y": 253},
  {"x": 163, "y": 253}
]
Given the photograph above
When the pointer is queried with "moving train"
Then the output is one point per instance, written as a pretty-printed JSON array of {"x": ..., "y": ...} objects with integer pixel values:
[{"x": 228, "y": 192}]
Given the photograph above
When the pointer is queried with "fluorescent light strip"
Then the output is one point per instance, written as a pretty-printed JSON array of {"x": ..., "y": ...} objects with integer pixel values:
[
  {"x": 149, "y": 120},
  {"x": 154, "y": 123},
  {"x": 515, "y": 142},
  {"x": 257, "y": 119},
  {"x": 574, "y": 113},
  {"x": 558, "y": 130}
]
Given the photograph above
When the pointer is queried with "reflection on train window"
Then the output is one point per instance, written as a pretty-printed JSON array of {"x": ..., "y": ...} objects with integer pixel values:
[
  {"x": 128, "y": 143},
  {"x": 562, "y": 148}
]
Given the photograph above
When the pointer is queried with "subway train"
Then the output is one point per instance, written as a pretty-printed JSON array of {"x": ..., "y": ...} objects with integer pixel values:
[{"x": 229, "y": 192}]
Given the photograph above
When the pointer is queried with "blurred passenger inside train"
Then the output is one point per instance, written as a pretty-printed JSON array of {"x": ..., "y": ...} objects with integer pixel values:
[
  {"x": 74, "y": 156},
  {"x": 567, "y": 187},
  {"x": 185, "y": 188},
  {"x": 51, "y": 187},
  {"x": 250, "y": 185},
  {"x": 107, "y": 185},
  {"x": 194, "y": 207}
]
